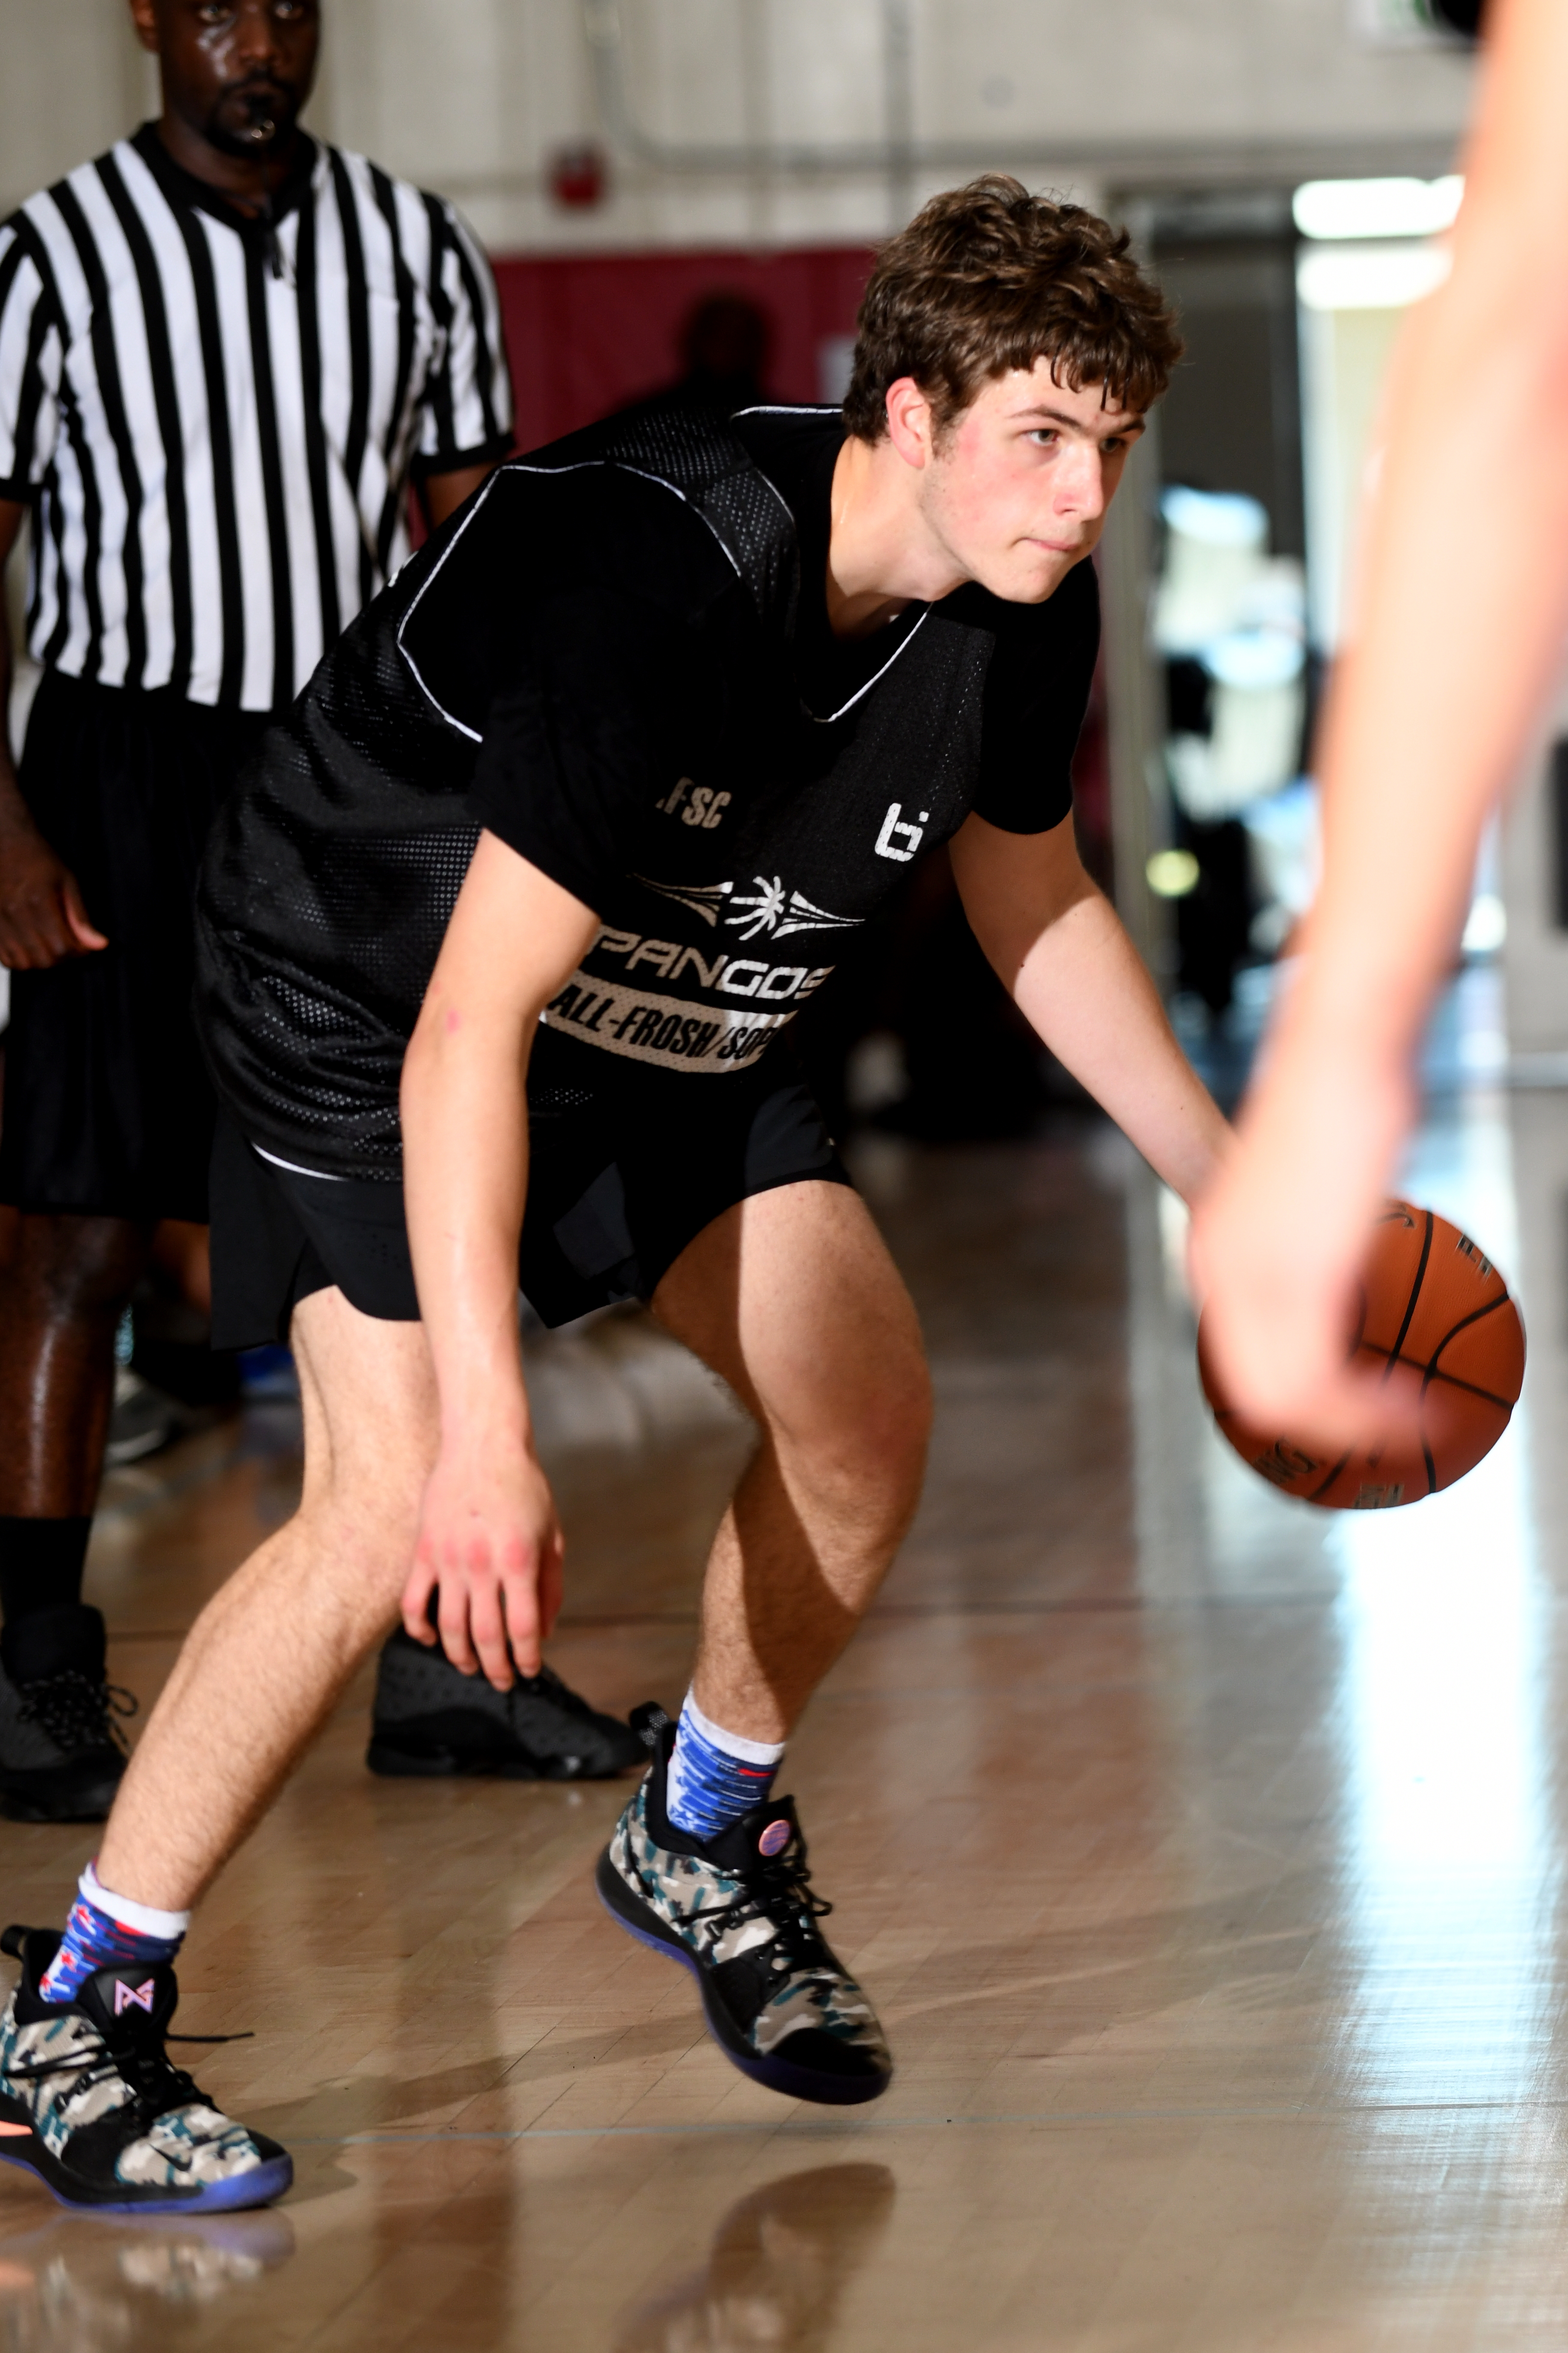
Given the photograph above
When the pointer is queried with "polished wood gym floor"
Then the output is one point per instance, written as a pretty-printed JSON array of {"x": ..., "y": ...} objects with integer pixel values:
[{"x": 1203, "y": 1855}]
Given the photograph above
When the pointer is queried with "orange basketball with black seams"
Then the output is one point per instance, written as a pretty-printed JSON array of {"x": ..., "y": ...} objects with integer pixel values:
[{"x": 1431, "y": 1302}]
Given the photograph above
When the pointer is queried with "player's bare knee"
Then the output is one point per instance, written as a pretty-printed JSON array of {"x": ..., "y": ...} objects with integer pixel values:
[
  {"x": 898, "y": 1428},
  {"x": 362, "y": 1522},
  {"x": 867, "y": 1438},
  {"x": 376, "y": 1534}
]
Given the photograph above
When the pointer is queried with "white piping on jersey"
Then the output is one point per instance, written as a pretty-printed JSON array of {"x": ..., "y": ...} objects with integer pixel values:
[
  {"x": 471, "y": 733},
  {"x": 780, "y": 409},
  {"x": 643, "y": 475},
  {"x": 826, "y": 719},
  {"x": 320, "y": 1175},
  {"x": 783, "y": 408},
  {"x": 580, "y": 466}
]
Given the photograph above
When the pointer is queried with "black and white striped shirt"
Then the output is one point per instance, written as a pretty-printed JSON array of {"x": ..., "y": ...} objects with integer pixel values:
[{"x": 216, "y": 420}]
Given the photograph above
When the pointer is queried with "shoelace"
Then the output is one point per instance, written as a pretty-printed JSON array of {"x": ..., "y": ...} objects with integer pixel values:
[
  {"x": 547, "y": 1685},
  {"x": 777, "y": 1888},
  {"x": 75, "y": 1710},
  {"x": 156, "y": 2086}
]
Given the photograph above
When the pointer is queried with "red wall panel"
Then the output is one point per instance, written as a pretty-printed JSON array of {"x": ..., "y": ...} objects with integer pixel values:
[{"x": 589, "y": 333}]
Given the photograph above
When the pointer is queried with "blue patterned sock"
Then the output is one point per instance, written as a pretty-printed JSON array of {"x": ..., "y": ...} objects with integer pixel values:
[
  {"x": 715, "y": 1776},
  {"x": 103, "y": 1931}
]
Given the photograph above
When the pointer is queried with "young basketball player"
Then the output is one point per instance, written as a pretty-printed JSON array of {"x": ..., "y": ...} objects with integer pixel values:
[
  {"x": 560, "y": 837},
  {"x": 1463, "y": 604}
]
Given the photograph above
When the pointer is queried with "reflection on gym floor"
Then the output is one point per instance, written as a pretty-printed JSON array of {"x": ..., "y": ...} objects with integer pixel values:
[
  {"x": 1202, "y": 1851},
  {"x": 776, "y": 2271},
  {"x": 71, "y": 2285}
]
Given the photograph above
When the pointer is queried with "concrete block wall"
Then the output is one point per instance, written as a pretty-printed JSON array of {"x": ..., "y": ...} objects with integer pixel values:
[{"x": 474, "y": 97}]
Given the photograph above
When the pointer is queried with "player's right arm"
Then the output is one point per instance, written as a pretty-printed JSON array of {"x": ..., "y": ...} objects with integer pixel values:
[
  {"x": 42, "y": 917},
  {"x": 488, "y": 1537},
  {"x": 1462, "y": 609}
]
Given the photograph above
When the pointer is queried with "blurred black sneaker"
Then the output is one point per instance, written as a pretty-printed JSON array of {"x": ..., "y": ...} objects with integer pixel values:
[
  {"x": 430, "y": 1720},
  {"x": 62, "y": 1751},
  {"x": 142, "y": 1422}
]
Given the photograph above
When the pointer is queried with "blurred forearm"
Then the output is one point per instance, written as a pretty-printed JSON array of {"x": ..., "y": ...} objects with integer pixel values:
[{"x": 1462, "y": 600}]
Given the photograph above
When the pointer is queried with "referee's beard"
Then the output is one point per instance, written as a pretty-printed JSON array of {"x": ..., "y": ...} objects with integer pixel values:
[{"x": 254, "y": 120}]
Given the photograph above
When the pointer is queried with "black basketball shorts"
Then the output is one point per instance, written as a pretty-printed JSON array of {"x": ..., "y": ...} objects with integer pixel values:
[
  {"x": 625, "y": 1168},
  {"x": 108, "y": 1105}
]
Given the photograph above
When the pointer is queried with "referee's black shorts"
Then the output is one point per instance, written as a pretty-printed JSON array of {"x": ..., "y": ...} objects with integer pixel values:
[
  {"x": 108, "y": 1108},
  {"x": 626, "y": 1166}
]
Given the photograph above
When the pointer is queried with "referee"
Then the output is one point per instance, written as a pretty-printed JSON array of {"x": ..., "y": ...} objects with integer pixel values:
[{"x": 225, "y": 351}]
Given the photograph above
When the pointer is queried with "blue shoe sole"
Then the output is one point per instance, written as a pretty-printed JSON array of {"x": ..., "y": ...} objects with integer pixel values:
[
  {"x": 777, "y": 2074},
  {"x": 257, "y": 2187}
]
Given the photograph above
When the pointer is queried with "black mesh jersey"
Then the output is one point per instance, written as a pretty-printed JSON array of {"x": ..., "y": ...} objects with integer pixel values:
[{"x": 616, "y": 658}]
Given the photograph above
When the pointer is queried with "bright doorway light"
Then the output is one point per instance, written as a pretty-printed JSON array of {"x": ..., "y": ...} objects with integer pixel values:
[
  {"x": 1341, "y": 208},
  {"x": 1370, "y": 277}
]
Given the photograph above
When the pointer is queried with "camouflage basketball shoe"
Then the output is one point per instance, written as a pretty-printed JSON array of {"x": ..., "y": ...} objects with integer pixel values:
[
  {"x": 90, "y": 2103},
  {"x": 739, "y": 1913}
]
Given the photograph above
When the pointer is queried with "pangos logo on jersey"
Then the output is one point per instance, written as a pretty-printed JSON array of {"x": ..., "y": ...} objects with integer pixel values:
[
  {"x": 653, "y": 1029},
  {"x": 633, "y": 1019},
  {"x": 766, "y": 905}
]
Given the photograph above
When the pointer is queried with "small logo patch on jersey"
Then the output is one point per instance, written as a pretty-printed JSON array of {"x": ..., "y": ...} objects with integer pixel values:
[
  {"x": 774, "y": 1839},
  {"x": 133, "y": 1998},
  {"x": 770, "y": 906},
  {"x": 696, "y": 804},
  {"x": 778, "y": 911},
  {"x": 898, "y": 839}
]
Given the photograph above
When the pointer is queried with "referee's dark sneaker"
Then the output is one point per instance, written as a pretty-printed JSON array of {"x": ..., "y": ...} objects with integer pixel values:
[
  {"x": 62, "y": 1753},
  {"x": 431, "y": 1720},
  {"x": 738, "y": 1911},
  {"x": 91, "y": 2103}
]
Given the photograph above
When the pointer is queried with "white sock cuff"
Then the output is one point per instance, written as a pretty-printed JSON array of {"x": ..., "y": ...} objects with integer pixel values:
[
  {"x": 730, "y": 1744},
  {"x": 140, "y": 1916}
]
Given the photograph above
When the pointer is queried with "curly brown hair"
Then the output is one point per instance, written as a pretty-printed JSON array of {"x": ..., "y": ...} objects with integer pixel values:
[{"x": 987, "y": 278}]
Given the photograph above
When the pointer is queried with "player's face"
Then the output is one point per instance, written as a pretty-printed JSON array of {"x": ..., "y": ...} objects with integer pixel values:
[
  {"x": 237, "y": 71},
  {"x": 1019, "y": 488}
]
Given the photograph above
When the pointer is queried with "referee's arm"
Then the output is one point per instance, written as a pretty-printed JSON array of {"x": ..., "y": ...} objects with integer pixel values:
[
  {"x": 42, "y": 917},
  {"x": 468, "y": 415},
  {"x": 444, "y": 494}
]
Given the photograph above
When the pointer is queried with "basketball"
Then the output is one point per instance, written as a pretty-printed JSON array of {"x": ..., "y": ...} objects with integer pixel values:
[{"x": 1431, "y": 1299}]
